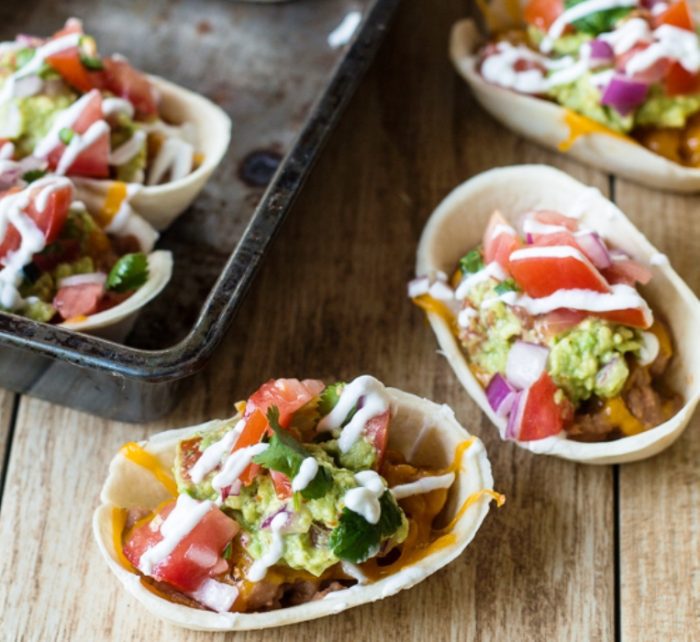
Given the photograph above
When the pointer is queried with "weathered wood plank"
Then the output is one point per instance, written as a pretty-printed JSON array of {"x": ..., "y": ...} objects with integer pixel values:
[
  {"x": 331, "y": 302},
  {"x": 659, "y": 498},
  {"x": 7, "y": 401}
]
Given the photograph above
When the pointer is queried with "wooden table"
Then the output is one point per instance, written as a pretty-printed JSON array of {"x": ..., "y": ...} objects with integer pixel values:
[{"x": 577, "y": 552}]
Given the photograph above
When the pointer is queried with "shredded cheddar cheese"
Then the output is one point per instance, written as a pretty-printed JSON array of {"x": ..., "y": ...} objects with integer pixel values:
[
  {"x": 429, "y": 304},
  {"x": 116, "y": 195},
  {"x": 621, "y": 417},
  {"x": 581, "y": 126}
]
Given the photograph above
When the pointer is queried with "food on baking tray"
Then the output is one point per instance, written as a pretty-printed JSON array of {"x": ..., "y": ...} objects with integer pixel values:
[
  {"x": 59, "y": 265},
  {"x": 312, "y": 499},
  {"x": 68, "y": 110}
]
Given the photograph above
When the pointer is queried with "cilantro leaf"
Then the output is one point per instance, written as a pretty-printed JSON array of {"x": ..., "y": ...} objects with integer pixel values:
[
  {"x": 390, "y": 518},
  {"x": 509, "y": 285},
  {"x": 33, "y": 175},
  {"x": 285, "y": 455},
  {"x": 128, "y": 273},
  {"x": 23, "y": 56},
  {"x": 227, "y": 551},
  {"x": 471, "y": 262},
  {"x": 356, "y": 540},
  {"x": 328, "y": 399},
  {"x": 93, "y": 63},
  {"x": 319, "y": 485},
  {"x": 597, "y": 22}
]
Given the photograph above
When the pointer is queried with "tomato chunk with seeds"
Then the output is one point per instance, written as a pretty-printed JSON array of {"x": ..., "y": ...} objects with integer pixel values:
[
  {"x": 78, "y": 300},
  {"x": 541, "y": 271},
  {"x": 195, "y": 558},
  {"x": 500, "y": 240},
  {"x": 542, "y": 416}
]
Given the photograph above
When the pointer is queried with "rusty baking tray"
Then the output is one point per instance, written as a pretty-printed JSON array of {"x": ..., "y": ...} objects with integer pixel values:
[{"x": 273, "y": 69}]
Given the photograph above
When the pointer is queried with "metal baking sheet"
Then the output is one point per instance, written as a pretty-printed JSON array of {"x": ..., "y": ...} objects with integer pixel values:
[{"x": 272, "y": 68}]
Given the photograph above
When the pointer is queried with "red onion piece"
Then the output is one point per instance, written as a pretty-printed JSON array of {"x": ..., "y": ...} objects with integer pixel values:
[
  {"x": 594, "y": 248},
  {"x": 215, "y": 595},
  {"x": 601, "y": 52},
  {"x": 624, "y": 94},
  {"x": 526, "y": 363},
  {"x": 268, "y": 520},
  {"x": 10, "y": 173},
  {"x": 515, "y": 418},
  {"x": 500, "y": 395}
]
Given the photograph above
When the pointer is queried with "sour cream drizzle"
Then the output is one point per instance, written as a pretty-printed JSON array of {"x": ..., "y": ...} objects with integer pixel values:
[
  {"x": 79, "y": 143},
  {"x": 13, "y": 212},
  {"x": 234, "y": 466},
  {"x": 577, "y": 12},
  {"x": 34, "y": 65},
  {"x": 212, "y": 455},
  {"x": 178, "y": 524},
  {"x": 306, "y": 474},
  {"x": 375, "y": 402},
  {"x": 492, "y": 270},
  {"x": 258, "y": 568},
  {"x": 423, "y": 485},
  {"x": 364, "y": 499},
  {"x": 669, "y": 43},
  {"x": 124, "y": 153},
  {"x": 551, "y": 251}
]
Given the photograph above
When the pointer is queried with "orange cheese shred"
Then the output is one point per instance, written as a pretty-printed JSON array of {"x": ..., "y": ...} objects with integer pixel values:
[
  {"x": 116, "y": 195},
  {"x": 429, "y": 304},
  {"x": 135, "y": 453},
  {"x": 581, "y": 126},
  {"x": 118, "y": 525}
]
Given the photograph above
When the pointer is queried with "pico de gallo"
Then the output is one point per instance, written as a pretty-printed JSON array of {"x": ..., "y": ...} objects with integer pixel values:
[
  {"x": 56, "y": 262},
  {"x": 295, "y": 497},
  {"x": 67, "y": 110},
  {"x": 556, "y": 331},
  {"x": 632, "y": 66}
]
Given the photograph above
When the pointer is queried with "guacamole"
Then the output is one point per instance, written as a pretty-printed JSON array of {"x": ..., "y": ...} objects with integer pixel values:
[{"x": 306, "y": 538}]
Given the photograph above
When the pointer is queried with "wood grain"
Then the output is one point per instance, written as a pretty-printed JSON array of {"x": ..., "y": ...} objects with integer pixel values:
[
  {"x": 330, "y": 302},
  {"x": 7, "y": 402},
  {"x": 659, "y": 498}
]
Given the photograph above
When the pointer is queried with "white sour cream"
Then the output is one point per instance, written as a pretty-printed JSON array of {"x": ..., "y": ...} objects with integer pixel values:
[
  {"x": 213, "y": 454},
  {"x": 258, "y": 568},
  {"x": 364, "y": 500},
  {"x": 174, "y": 158},
  {"x": 124, "y": 153},
  {"x": 376, "y": 402},
  {"x": 306, "y": 474},
  {"x": 492, "y": 271},
  {"x": 234, "y": 466},
  {"x": 577, "y": 12},
  {"x": 669, "y": 43},
  {"x": 649, "y": 350},
  {"x": 188, "y": 512},
  {"x": 423, "y": 485}
]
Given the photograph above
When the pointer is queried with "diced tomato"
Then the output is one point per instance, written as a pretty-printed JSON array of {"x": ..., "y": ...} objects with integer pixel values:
[
  {"x": 50, "y": 220},
  {"x": 627, "y": 271},
  {"x": 94, "y": 160},
  {"x": 679, "y": 81},
  {"x": 68, "y": 64},
  {"x": 283, "y": 486},
  {"x": 126, "y": 82},
  {"x": 542, "y": 13},
  {"x": 541, "y": 276},
  {"x": 377, "y": 431},
  {"x": 287, "y": 394},
  {"x": 560, "y": 321},
  {"x": 678, "y": 15},
  {"x": 500, "y": 240},
  {"x": 651, "y": 74},
  {"x": 541, "y": 416},
  {"x": 78, "y": 300},
  {"x": 195, "y": 558},
  {"x": 632, "y": 316}
]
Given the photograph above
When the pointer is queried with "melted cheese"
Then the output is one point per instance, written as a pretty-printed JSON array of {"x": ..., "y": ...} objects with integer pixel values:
[
  {"x": 581, "y": 126},
  {"x": 135, "y": 453},
  {"x": 118, "y": 525},
  {"x": 430, "y": 305},
  {"x": 621, "y": 417},
  {"x": 114, "y": 199}
]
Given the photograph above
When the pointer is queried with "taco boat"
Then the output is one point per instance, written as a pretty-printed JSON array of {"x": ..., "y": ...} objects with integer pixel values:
[
  {"x": 67, "y": 110},
  {"x": 314, "y": 498},
  {"x": 59, "y": 264},
  {"x": 565, "y": 325},
  {"x": 614, "y": 84}
]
